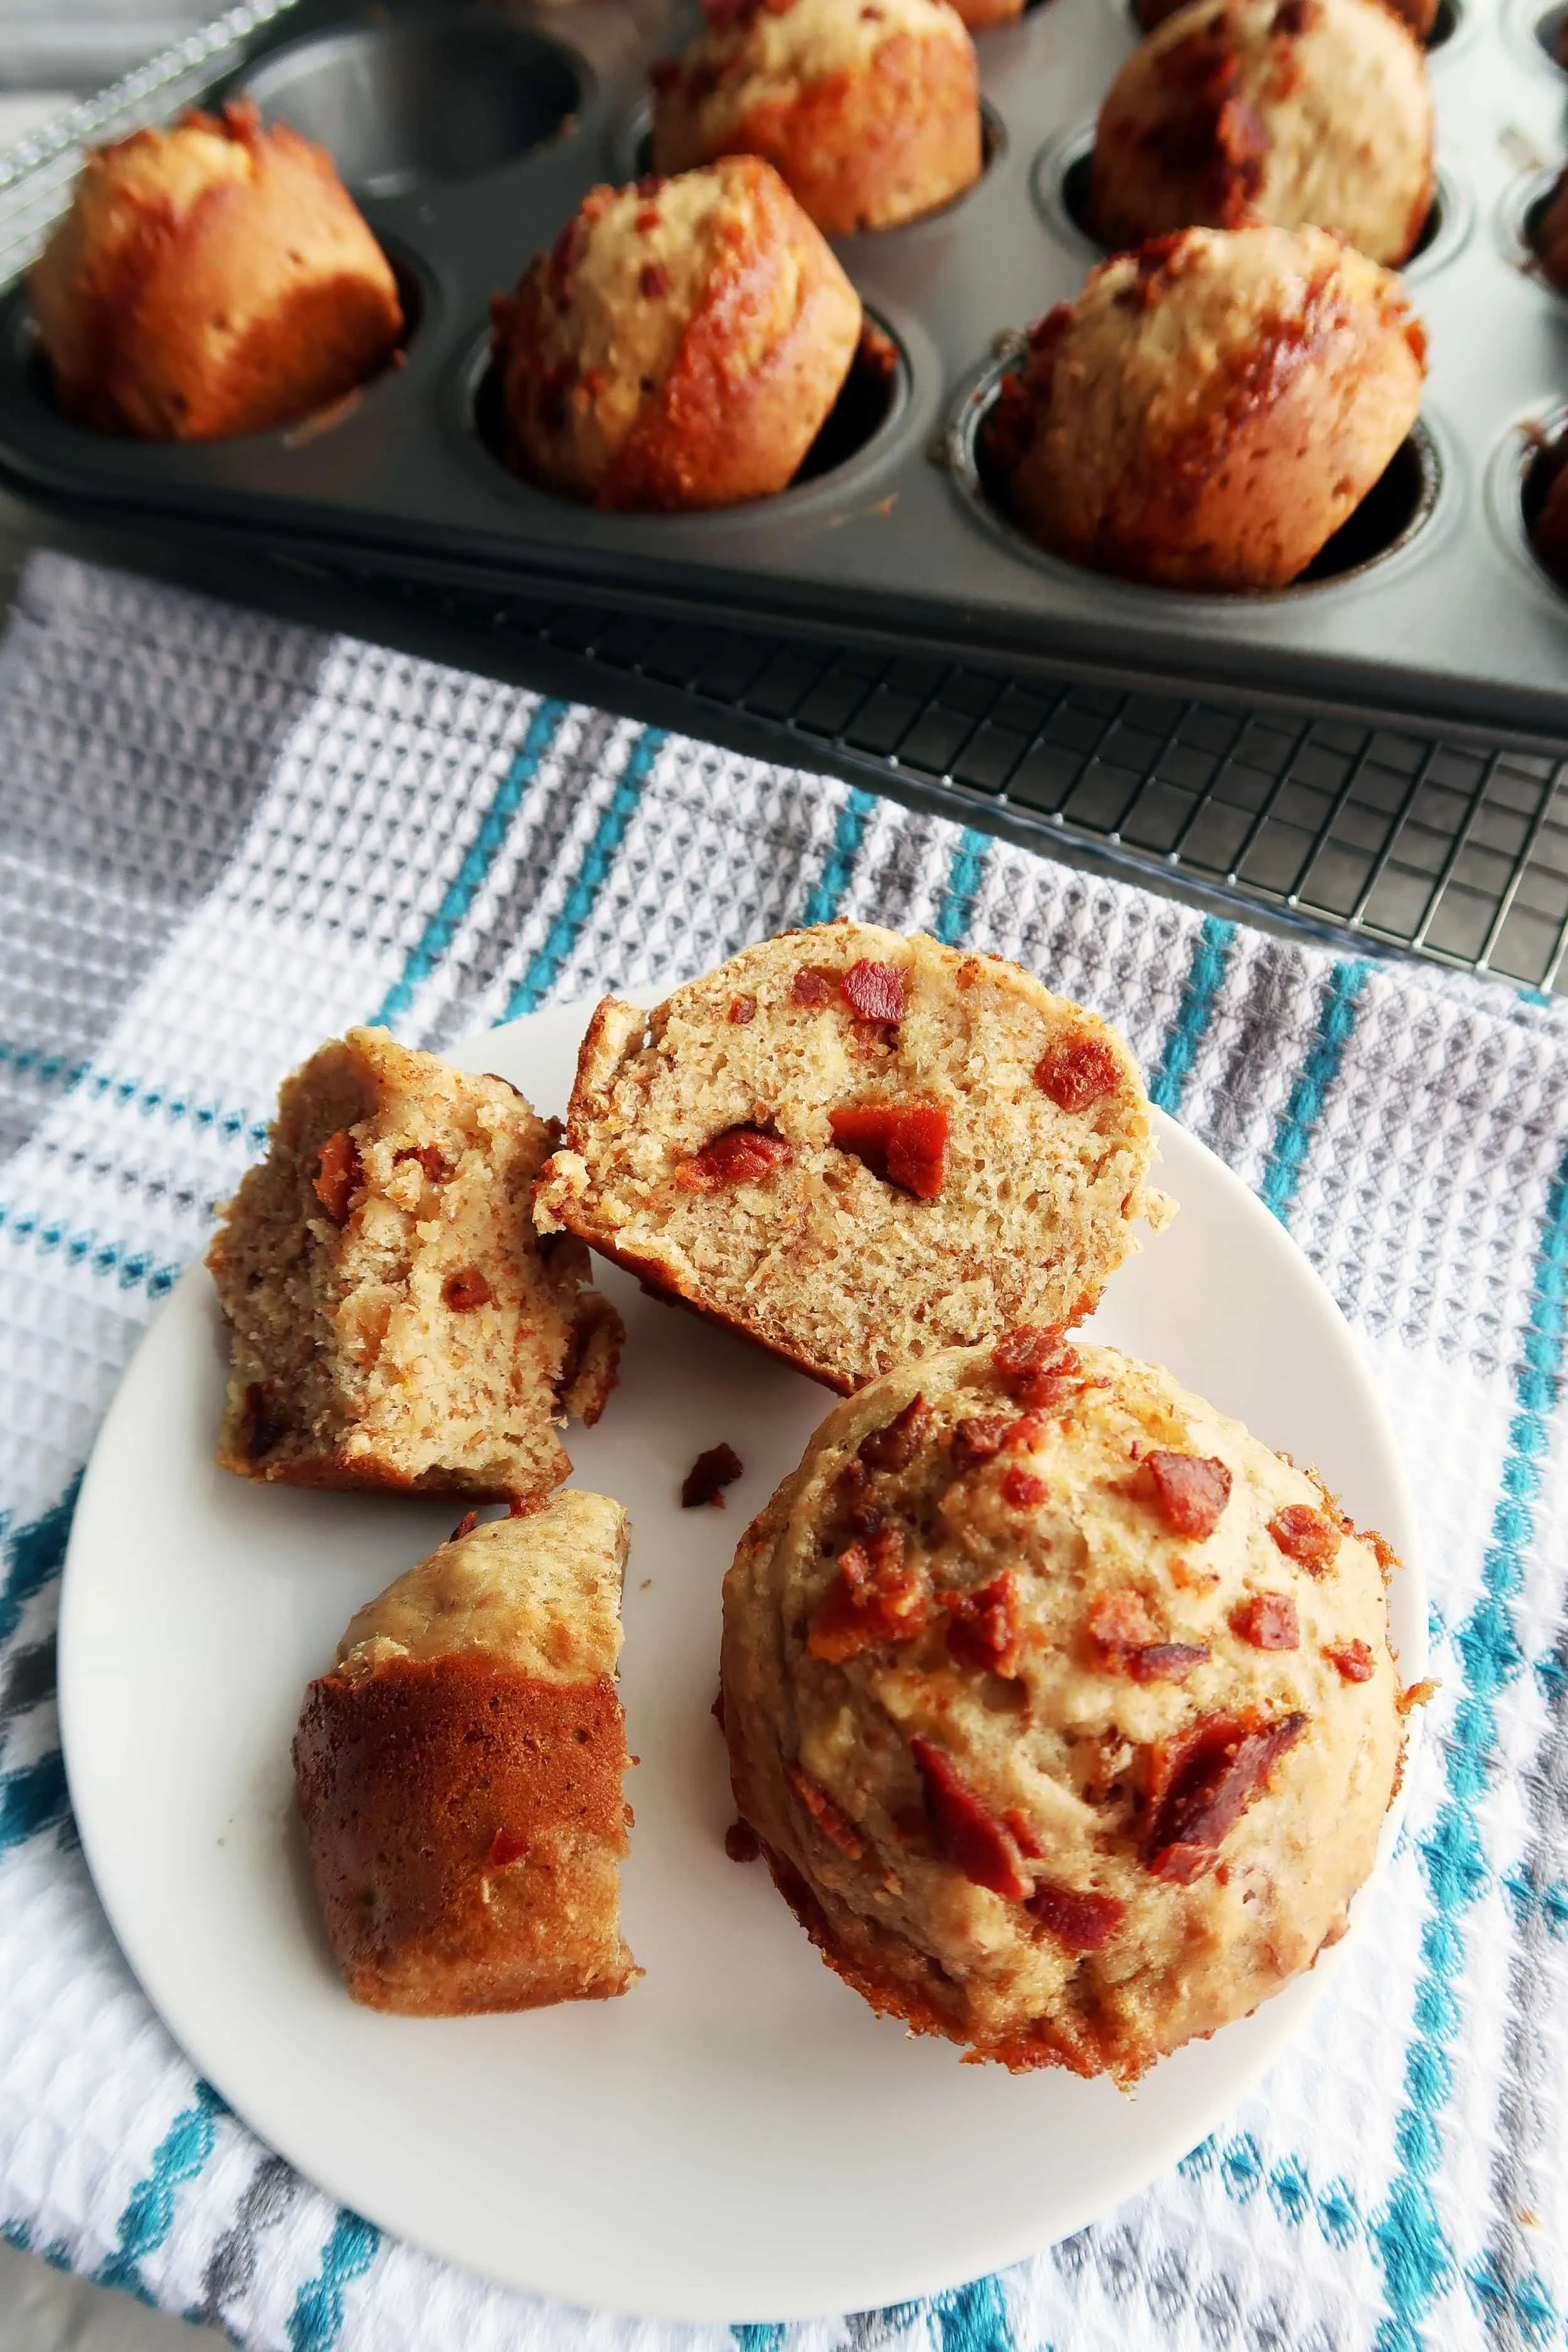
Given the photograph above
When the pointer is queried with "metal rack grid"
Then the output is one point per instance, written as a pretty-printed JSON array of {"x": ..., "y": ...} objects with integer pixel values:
[{"x": 1383, "y": 836}]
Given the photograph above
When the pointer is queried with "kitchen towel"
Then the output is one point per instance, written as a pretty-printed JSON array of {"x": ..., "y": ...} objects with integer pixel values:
[{"x": 223, "y": 838}]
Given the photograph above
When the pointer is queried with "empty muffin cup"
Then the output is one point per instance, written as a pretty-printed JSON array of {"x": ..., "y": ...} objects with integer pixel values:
[{"x": 416, "y": 105}]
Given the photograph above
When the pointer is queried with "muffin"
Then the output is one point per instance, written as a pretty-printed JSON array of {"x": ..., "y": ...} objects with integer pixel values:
[
  {"x": 1549, "y": 525},
  {"x": 458, "y": 1772},
  {"x": 980, "y": 16},
  {"x": 1421, "y": 15},
  {"x": 682, "y": 346},
  {"x": 208, "y": 280},
  {"x": 394, "y": 1318},
  {"x": 856, "y": 1148},
  {"x": 1210, "y": 409},
  {"x": 1063, "y": 1709},
  {"x": 1294, "y": 112},
  {"x": 871, "y": 112}
]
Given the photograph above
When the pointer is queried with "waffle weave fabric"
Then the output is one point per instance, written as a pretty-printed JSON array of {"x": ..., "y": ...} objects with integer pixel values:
[{"x": 221, "y": 839}]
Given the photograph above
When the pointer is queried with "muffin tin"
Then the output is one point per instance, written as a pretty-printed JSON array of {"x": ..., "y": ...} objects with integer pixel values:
[{"x": 470, "y": 135}]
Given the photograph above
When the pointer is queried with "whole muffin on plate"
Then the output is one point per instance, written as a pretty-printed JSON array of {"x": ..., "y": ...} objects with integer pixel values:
[
  {"x": 870, "y": 108},
  {"x": 209, "y": 280},
  {"x": 1293, "y": 111},
  {"x": 1063, "y": 1709},
  {"x": 856, "y": 1148},
  {"x": 1210, "y": 409},
  {"x": 681, "y": 347}
]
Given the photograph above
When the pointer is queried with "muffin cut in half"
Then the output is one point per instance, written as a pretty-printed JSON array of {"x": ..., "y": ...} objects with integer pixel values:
[
  {"x": 395, "y": 1320},
  {"x": 856, "y": 1148},
  {"x": 1314, "y": 112},
  {"x": 681, "y": 348},
  {"x": 1210, "y": 409},
  {"x": 1063, "y": 1709},
  {"x": 458, "y": 1772},
  {"x": 871, "y": 113},
  {"x": 211, "y": 280}
]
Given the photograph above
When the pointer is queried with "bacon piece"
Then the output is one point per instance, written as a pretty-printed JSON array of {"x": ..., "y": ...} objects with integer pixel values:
[
  {"x": 653, "y": 280},
  {"x": 741, "y": 1155},
  {"x": 810, "y": 987},
  {"x": 873, "y": 1600},
  {"x": 266, "y": 1423},
  {"x": 428, "y": 1157},
  {"x": 1201, "y": 1784},
  {"x": 1077, "y": 1070},
  {"x": 977, "y": 1439},
  {"x": 465, "y": 1291},
  {"x": 523, "y": 1507},
  {"x": 649, "y": 217},
  {"x": 895, "y": 1445},
  {"x": 465, "y": 1526},
  {"x": 825, "y": 1813},
  {"x": 983, "y": 1626},
  {"x": 1023, "y": 1837},
  {"x": 506, "y": 1846},
  {"x": 741, "y": 1841},
  {"x": 339, "y": 1174},
  {"x": 1037, "y": 1366},
  {"x": 1416, "y": 1695},
  {"x": 1022, "y": 1488},
  {"x": 963, "y": 1831},
  {"x": 1310, "y": 1538},
  {"x": 1166, "y": 1662},
  {"x": 719, "y": 1466},
  {"x": 904, "y": 1144},
  {"x": 1267, "y": 1620},
  {"x": 1118, "y": 1621},
  {"x": 1191, "y": 1490},
  {"x": 874, "y": 991},
  {"x": 1082, "y": 1921},
  {"x": 742, "y": 1010},
  {"x": 1353, "y": 1660}
]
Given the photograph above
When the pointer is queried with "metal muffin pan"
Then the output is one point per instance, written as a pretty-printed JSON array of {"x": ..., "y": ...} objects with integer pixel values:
[{"x": 470, "y": 136}]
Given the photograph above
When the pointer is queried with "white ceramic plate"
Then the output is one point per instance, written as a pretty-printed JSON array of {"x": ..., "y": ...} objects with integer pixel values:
[{"x": 739, "y": 2138}]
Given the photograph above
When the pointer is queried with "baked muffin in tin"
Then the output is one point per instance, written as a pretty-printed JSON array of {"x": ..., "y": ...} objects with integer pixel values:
[
  {"x": 1294, "y": 112},
  {"x": 870, "y": 108},
  {"x": 681, "y": 347},
  {"x": 1210, "y": 409}
]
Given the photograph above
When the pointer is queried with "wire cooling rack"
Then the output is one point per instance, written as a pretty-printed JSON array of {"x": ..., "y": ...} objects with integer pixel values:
[{"x": 1388, "y": 835}]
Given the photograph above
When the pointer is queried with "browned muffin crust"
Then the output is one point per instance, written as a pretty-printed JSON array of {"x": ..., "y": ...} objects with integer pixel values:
[
  {"x": 682, "y": 346},
  {"x": 211, "y": 281},
  {"x": 1549, "y": 236},
  {"x": 1210, "y": 409},
  {"x": 415, "y": 1785},
  {"x": 459, "y": 1771},
  {"x": 394, "y": 1321},
  {"x": 1420, "y": 16},
  {"x": 1294, "y": 112},
  {"x": 980, "y": 16},
  {"x": 870, "y": 113}
]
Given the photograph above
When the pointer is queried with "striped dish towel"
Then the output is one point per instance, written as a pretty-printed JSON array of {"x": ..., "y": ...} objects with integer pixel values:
[{"x": 223, "y": 838}]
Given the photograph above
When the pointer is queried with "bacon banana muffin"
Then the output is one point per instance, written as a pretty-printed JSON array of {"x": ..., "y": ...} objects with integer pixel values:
[
  {"x": 681, "y": 347},
  {"x": 211, "y": 280},
  {"x": 1063, "y": 1709},
  {"x": 856, "y": 1148},
  {"x": 1293, "y": 111},
  {"x": 394, "y": 1318},
  {"x": 871, "y": 112},
  {"x": 458, "y": 1772},
  {"x": 1210, "y": 409}
]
